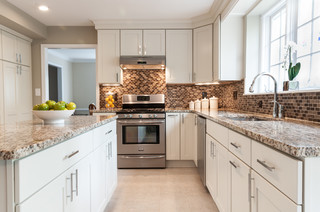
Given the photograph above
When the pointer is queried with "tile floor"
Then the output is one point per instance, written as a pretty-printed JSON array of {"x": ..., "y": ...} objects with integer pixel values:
[{"x": 160, "y": 190}]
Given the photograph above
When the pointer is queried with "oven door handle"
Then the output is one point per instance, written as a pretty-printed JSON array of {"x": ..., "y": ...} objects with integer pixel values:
[
  {"x": 141, "y": 122},
  {"x": 142, "y": 156}
]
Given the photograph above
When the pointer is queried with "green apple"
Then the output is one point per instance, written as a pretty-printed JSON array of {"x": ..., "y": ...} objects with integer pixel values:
[
  {"x": 43, "y": 106},
  {"x": 51, "y": 103},
  {"x": 36, "y": 107},
  {"x": 59, "y": 106},
  {"x": 71, "y": 106}
]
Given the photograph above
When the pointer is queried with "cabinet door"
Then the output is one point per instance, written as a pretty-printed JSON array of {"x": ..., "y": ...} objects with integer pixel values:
[
  {"x": 179, "y": 56},
  {"x": 9, "y": 51},
  {"x": 131, "y": 42},
  {"x": 173, "y": 136},
  {"x": 267, "y": 198},
  {"x": 216, "y": 48},
  {"x": 1, "y": 95},
  {"x": 77, "y": 189},
  {"x": 24, "y": 52},
  {"x": 98, "y": 178},
  {"x": 188, "y": 139},
  {"x": 202, "y": 54},
  {"x": 211, "y": 167},
  {"x": 223, "y": 168},
  {"x": 10, "y": 74},
  {"x": 108, "y": 57},
  {"x": 154, "y": 42},
  {"x": 111, "y": 171},
  {"x": 239, "y": 187},
  {"x": 50, "y": 198},
  {"x": 24, "y": 93}
]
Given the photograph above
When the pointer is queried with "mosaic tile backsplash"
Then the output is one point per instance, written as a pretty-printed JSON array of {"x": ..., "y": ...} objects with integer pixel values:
[{"x": 304, "y": 106}]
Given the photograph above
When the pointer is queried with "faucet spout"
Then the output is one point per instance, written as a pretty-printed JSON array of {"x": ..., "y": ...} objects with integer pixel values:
[{"x": 275, "y": 90}]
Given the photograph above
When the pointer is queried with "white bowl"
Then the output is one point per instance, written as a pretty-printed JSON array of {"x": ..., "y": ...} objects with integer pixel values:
[{"x": 53, "y": 116}]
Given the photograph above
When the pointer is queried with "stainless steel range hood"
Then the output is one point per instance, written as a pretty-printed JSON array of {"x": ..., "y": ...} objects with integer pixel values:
[{"x": 143, "y": 62}]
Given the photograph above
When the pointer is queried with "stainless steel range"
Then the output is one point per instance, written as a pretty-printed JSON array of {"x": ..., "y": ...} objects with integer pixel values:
[{"x": 141, "y": 132}]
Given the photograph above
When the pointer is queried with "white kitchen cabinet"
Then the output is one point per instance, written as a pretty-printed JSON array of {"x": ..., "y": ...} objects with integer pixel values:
[
  {"x": 266, "y": 198},
  {"x": 178, "y": 56},
  {"x": 173, "y": 136},
  {"x": 108, "y": 57},
  {"x": 111, "y": 172},
  {"x": 188, "y": 136},
  {"x": 202, "y": 54},
  {"x": 1, "y": 95},
  {"x": 10, "y": 75},
  {"x": 211, "y": 167},
  {"x": 239, "y": 185},
  {"x": 142, "y": 42},
  {"x": 228, "y": 48},
  {"x": 17, "y": 82},
  {"x": 15, "y": 49}
]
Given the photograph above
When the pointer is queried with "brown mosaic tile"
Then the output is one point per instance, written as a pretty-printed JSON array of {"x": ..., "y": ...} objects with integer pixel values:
[{"x": 304, "y": 106}]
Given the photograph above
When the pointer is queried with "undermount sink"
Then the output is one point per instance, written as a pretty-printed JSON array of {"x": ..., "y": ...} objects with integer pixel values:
[{"x": 247, "y": 118}]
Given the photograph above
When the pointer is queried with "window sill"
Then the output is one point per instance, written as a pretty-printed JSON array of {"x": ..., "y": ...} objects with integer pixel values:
[{"x": 283, "y": 92}]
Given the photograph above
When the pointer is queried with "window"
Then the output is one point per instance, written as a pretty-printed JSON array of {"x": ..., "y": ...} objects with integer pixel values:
[{"x": 297, "y": 21}]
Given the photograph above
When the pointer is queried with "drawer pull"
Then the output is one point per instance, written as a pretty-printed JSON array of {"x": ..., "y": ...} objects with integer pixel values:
[
  {"x": 263, "y": 163},
  {"x": 233, "y": 164},
  {"x": 110, "y": 131},
  {"x": 172, "y": 115},
  {"x": 73, "y": 154},
  {"x": 235, "y": 145}
]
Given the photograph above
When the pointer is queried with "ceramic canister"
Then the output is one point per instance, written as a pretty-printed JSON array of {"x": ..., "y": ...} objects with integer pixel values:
[
  {"x": 213, "y": 103},
  {"x": 191, "y": 105},
  {"x": 205, "y": 103},
  {"x": 197, "y": 104}
]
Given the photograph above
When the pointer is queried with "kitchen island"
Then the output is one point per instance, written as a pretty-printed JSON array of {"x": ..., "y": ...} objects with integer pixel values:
[{"x": 64, "y": 167}]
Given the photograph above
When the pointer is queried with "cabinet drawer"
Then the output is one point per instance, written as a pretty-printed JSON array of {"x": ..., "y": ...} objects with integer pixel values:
[
  {"x": 218, "y": 132},
  {"x": 35, "y": 171},
  {"x": 240, "y": 146},
  {"x": 284, "y": 172},
  {"x": 104, "y": 133}
]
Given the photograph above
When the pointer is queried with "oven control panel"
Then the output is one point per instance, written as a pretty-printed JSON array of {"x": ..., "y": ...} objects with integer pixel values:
[{"x": 141, "y": 116}]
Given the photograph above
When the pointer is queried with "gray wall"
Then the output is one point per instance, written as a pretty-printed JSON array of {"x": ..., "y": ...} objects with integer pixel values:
[
  {"x": 84, "y": 84},
  {"x": 58, "y": 35}
]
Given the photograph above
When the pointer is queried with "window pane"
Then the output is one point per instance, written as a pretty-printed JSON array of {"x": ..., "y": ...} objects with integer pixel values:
[
  {"x": 304, "y": 11},
  {"x": 315, "y": 71},
  {"x": 304, "y": 37},
  {"x": 274, "y": 52},
  {"x": 283, "y": 22},
  {"x": 274, "y": 71},
  {"x": 316, "y": 35},
  {"x": 303, "y": 76},
  {"x": 316, "y": 8},
  {"x": 275, "y": 26},
  {"x": 282, "y": 48}
]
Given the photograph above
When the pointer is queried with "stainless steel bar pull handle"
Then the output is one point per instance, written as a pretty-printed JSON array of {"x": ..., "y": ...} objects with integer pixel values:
[
  {"x": 110, "y": 149},
  {"x": 143, "y": 157},
  {"x": 110, "y": 131},
  {"x": 182, "y": 118},
  {"x": 77, "y": 182},
  {"x": 20, "y": 58},
  {"x": 235, "y": 145},
  {"x": 170, "y": 115},
  {"x": 73, "y": 154},
  {"x": 233, "y": 164},
  {"x": 117, "y": 75},
  {"x": 17, "y": 59},
  {"x": 73, "y": 190},
  {"x": 263, "y": 163}
]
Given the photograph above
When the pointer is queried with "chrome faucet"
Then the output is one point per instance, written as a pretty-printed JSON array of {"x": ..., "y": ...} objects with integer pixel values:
[{"x": 275, "y": 102}]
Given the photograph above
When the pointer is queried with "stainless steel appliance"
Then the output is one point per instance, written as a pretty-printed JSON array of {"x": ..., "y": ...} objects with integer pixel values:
[
  {"x": 201, "y": 127},
  {"x": 141, "y": 132},
  {"x": 142, "y": 62}
]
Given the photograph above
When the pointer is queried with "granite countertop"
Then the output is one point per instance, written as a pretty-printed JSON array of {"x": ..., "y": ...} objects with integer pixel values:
[
  {"x": 297, "y": 138},
  {"x": 27, "y": 137}
]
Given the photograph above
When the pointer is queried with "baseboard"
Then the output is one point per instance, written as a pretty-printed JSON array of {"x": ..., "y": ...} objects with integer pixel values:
[{"x": 180, "y": 164}]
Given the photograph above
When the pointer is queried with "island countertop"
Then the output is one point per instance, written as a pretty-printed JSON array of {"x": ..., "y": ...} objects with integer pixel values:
[
  {"x": 27, "y": 137},
  {"x": 297, "y": 138}
]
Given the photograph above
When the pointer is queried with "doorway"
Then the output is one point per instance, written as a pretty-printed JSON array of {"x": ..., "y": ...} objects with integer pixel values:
[{"x": 55, "y": 83}]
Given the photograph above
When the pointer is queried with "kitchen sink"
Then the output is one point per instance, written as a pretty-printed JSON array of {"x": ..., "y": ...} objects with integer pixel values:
[{"x": 247, "y": 118}]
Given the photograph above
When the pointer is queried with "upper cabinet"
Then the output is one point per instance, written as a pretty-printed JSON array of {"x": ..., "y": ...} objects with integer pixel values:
[
  {"x": 15, "y": 50},
  {"x": 202, "y": 54},
  {"x": 142, "y": 42},
  {"x": 108, "y": 57},
  {"x": 179, "y": 56}
]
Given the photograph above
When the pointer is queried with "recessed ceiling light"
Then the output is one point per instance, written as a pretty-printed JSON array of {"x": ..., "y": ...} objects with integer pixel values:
[{"x": 43, "y": 8}]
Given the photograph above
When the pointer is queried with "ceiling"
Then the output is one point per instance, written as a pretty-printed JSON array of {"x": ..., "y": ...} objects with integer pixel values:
[
  {"x": 75, "y": 55},
  {"x": 83, "y": 12}
]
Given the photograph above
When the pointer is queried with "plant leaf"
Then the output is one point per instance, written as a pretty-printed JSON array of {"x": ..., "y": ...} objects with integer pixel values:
[
  {"x": 296, "y": 70},
  {"x": 290, "y": 72}
]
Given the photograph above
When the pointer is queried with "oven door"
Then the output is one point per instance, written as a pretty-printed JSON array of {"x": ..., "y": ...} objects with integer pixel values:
[{"x": 141, "y": 136}]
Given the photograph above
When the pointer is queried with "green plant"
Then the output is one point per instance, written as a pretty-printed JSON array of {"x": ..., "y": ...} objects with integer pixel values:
[{"x": 293, "y": 71}]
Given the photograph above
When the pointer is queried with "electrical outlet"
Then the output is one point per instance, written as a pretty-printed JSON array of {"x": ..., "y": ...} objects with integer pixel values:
[
  {"x": 37, "y": 92},
  {"x": 235, "y": 95}
]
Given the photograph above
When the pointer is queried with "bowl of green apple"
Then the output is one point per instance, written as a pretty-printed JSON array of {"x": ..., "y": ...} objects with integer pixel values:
[{"x": 52, "y": 112}]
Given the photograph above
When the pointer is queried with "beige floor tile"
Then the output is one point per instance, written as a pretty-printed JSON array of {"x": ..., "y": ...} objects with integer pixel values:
[{"x": 160, "y": 190}]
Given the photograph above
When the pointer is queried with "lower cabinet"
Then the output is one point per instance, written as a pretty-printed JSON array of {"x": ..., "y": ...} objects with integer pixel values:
[
  {"x": 211, "y": 167},
  {"x": 266, "y": 198},
  {"x": 181, "y": 137}
]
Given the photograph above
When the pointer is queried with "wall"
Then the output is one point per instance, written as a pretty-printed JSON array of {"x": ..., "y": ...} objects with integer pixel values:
[
  {"x": 58, "y": 35},
  {"x": 84, "y": 84},
  {"x": 304, "y": 106},
  {"x": 67, "y": 76}
]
